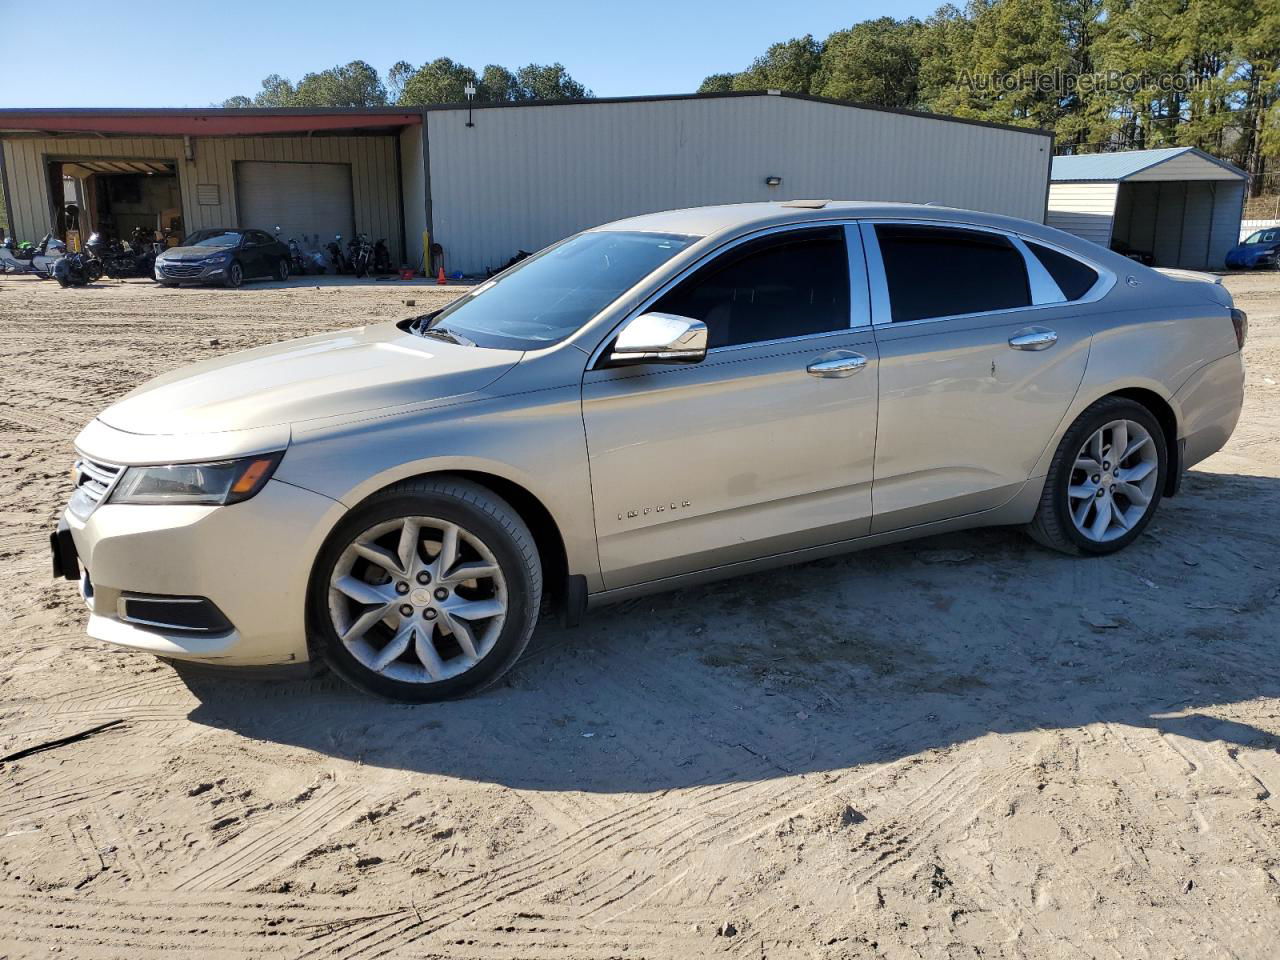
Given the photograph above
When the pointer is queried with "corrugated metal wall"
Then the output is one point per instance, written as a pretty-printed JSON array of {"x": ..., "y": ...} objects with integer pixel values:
[
  {"x": 524, "y": 177},
  {"x": 1189, "y": 166},
  {"x": 1086, "y": 210},
  {"x": 375, "y": 186}
]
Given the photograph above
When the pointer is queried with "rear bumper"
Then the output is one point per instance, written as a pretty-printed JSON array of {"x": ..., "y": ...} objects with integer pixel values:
[
  {"x": 251, "y": 560},
  {"x": 1210, "y": 402}
]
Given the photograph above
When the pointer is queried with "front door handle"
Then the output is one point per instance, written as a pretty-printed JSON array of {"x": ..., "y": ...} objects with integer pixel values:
[
  {"x": 1033, "y": 338},
  {"x": 837, "y": 363}
]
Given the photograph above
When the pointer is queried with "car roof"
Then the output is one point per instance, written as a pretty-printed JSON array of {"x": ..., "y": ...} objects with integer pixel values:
[{"x": 728, "y": 220}]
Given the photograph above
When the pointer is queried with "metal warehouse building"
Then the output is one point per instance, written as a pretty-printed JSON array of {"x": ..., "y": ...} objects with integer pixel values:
[
  {"x": 1179, "y": 206},
  {"x": 486, "y": 183}
]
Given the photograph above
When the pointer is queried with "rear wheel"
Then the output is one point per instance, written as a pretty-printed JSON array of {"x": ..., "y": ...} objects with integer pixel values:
[
  {"x": 1105, "y": 481},
  {"x": 282, "y": 270},
  {"x": 430, "y": 590}
]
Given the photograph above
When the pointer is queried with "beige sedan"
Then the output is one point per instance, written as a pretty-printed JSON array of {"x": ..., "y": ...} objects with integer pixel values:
[{"x": 659, "y": 401}]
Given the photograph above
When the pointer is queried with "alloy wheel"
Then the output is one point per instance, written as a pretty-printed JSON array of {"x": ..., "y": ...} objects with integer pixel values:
[
  {"x": 1113, "y": 480},
  {"x": 417, "y": 599}
]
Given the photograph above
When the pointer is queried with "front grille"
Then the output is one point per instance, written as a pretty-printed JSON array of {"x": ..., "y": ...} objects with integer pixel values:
[
  {"x": 93, "y": 480},
  {"x": 180, "y": 270}
]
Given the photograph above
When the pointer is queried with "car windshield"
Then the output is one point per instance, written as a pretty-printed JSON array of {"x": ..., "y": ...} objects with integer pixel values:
[
  {"x": 1263, "y": 236},
  {"x": 545, "y": 298},
  {"x": 213, "y": 238}
]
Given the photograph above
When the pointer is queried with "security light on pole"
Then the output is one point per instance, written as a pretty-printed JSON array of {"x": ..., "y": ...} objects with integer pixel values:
[{"x": 470, "y": 91}]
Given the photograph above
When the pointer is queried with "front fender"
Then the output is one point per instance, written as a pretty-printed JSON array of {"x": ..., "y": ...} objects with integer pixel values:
[{"x": 535, "y": 440}]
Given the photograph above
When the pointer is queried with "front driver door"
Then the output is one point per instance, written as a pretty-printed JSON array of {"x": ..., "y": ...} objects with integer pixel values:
[
  {"x": 766, "y": 446},
  {"x": 980, "y": 357}
]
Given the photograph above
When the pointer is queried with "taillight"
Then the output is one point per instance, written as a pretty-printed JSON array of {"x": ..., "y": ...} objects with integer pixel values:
[{"x": 1240, "y": 320}]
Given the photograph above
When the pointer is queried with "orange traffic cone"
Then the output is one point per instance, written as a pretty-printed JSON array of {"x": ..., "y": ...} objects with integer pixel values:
[{"x": 440, "y": 280}]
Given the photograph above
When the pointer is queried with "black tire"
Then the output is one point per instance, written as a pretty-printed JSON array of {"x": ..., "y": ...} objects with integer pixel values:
[
  {"x": 1052, "y": 525},
  {"x": 235, "y": 274},
  {"x": 282, "y": 270},
  {"x": 481, "y": 512}
]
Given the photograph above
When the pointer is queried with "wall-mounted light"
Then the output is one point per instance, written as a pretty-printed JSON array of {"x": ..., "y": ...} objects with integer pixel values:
[
  {"x": 470, "y": 91},
  {"x": 773, "y": 181}
]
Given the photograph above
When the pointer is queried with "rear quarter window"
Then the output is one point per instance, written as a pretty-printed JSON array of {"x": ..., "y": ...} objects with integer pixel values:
[{"x": 1073, "y": 278}]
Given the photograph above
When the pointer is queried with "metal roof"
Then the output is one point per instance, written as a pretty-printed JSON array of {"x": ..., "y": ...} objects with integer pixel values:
[
  {"x": 1107, "y": 167},
  {"x": 239, "y": 121}
]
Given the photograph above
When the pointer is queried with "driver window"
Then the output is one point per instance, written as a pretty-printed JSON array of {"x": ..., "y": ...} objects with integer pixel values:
[{"x": 790, "y": 284}]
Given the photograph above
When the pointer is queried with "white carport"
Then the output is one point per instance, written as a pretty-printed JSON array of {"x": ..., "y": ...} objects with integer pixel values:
[{"x": 1178, "y": 204}]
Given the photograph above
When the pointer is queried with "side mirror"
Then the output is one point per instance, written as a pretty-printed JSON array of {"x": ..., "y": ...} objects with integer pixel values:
[{"x": 659, "y": 338}]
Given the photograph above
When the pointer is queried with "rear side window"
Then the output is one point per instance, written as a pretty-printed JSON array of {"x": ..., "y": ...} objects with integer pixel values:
[
  {"x": 785, "y": 285},
  {"x": 943, "y": 271},
  {"x": 1073, "y": 278}
]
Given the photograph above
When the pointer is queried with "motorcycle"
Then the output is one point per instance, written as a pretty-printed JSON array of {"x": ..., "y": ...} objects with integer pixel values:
[
  {"x": 77, "y": 270},
  {"x": 360, "y": 254},
  {"x": 381, "y": 257},
  {"x": 337, "y": 259},
  {"x": 35, "y": 259},
  {"x": 300, "y": 264},
  {"x": 120, "y": 261}
]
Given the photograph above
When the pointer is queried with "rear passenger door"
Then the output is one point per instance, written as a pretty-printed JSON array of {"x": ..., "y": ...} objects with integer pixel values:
[{"x": 981, "y": 353}]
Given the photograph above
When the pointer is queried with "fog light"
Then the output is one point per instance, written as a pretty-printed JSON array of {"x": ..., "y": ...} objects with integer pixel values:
[{"x": 159, "y": 612}]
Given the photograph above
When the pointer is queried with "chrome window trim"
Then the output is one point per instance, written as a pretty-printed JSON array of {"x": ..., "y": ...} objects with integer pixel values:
[
  {"x": 859, "y": 286},
  {"x": 1044, "y": 289},
  {"x": 881, "y": 309}
]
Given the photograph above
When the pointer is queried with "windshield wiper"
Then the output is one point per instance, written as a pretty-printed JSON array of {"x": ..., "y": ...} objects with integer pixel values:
[{"x": 444, "y": 333}]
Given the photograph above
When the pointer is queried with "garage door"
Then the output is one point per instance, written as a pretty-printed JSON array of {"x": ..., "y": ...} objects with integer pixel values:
[{"x": 300, "y": 198}]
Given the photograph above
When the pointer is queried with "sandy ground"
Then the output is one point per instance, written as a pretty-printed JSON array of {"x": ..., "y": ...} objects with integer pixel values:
[{"x": 961, "y": 747}]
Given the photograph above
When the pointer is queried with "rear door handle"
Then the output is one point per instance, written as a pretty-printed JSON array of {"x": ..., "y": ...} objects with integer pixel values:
[
  {"x": 837, "y": 363},
  {"x": 1033, "y": 338}
]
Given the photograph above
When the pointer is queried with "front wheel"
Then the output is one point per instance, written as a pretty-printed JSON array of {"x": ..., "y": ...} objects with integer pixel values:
[
  {"x": 235, "y": 274},
  {"x": 1105, "y": 481},
  {"x": 428, "y": 591}
]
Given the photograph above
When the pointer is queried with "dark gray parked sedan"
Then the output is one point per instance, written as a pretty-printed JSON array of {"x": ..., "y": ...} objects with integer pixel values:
[{"x": 224, "y": 256}]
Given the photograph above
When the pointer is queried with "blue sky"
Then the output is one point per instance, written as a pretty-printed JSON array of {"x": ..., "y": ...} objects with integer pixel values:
[{"x": 179, "y": 53}]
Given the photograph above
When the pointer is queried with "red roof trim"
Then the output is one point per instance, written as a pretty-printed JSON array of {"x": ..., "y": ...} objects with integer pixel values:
[{"x": 227, "y": 123}]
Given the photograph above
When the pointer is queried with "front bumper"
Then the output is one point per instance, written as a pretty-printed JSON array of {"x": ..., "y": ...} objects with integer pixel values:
[
  {"x": 1252, "y": 263},
  {"x": 177, "y": 271},
  {"x": 250, "y": 560}
]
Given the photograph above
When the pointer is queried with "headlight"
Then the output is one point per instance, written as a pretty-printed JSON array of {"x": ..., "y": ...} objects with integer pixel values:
[
  {"x": 219, "y": 258},
  {"x": 212, "y": 484}
]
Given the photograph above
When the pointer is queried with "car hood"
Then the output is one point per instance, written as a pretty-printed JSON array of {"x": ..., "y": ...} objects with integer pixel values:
[
  {"x": 348, "y": 372},
  {"x": 191, "y": 253}
]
